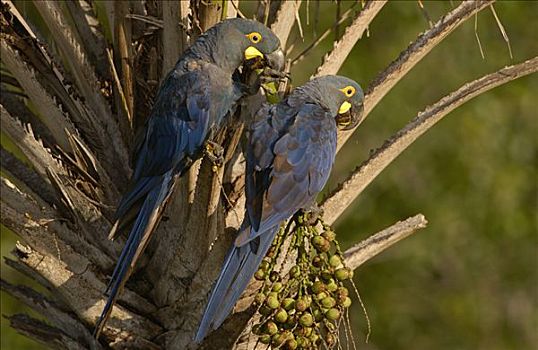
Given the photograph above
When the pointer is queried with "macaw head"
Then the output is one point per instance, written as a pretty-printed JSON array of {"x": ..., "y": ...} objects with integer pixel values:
[
  {"x": 238, "y": 40},
  {"x": 343, "y": 96},
  {"x": 259, "y": 43},
  {"x": 350, "y": 112}
]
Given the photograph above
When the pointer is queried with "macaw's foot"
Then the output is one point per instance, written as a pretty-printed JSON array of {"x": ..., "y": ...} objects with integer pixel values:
[{"x": 215, "y": 153}]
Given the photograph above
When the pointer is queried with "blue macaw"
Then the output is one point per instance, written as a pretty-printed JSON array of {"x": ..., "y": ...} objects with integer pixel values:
[
  {"x": 289, "y": 156},
  {"x": 191, "y": 104}
]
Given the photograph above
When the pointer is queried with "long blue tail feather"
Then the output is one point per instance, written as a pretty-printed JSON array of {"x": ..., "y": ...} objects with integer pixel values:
[
  {"x": 238, "y": 269},
  {"x": 136, "y": 241}
]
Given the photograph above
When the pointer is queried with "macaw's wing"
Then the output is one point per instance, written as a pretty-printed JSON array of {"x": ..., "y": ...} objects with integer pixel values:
[
  {"x": 302, "y": 160},
  {"x": 178, "y": 125},
  {"x": 175, "y": 131},
  {"x": 263, "y": 134}
]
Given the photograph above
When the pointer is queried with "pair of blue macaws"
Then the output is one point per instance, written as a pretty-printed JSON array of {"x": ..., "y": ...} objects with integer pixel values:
[{"x": 289, "y": 153}]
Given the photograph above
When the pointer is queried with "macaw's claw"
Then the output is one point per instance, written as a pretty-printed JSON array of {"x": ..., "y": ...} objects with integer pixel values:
[{"x": 215, "y": 153}]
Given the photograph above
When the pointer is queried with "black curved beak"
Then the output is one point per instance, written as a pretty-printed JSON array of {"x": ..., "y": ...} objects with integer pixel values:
[
  {"x": 276, "y": 60},
  {"x": 350, "y": 119}
]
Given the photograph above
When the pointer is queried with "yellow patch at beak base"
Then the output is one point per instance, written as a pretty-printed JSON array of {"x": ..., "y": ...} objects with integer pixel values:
[
  {"x": 344, "y": 107},
  {"x": 252, "y": 52}
]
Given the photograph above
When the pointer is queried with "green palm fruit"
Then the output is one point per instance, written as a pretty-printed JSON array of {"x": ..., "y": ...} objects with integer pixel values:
[
  {"x": 318, "y": 315},
  {"x": 264, "y": 265},
  {"x": 318, "y": 287},
  {"x": 303, "y": 342},
  {"x": 277, "y": 287},
  {"x": 272, "y": 302},
  {"x": 343, "y": 274},
  {"x": 328, "y": 302},
  {"x": 317, "y": 261},
  {"x": 302, "y": 304},
  {"x": 347, "y": 302},
  {"x": 332, "y": 286},
  {"x": 257, "y": 329},
  {"x": 274, "y": 276},
  {"x": 291, "y": 344},
  {"x": 288, "y": 304},
  {"x": 259, "y": 275},
  {"x": 319, "y": 243},
  {"x": 332, "y": 314},
  {"x": 271, "y": 328},
  {"x": 306, "y": 320},
  {"x": 335, "y": 261},
  {"x": 321, "y": 296},
  {"x": 326, "y": 275},
  {"x": 265, "y": 339},
  {"x": 281, "y": 316}
]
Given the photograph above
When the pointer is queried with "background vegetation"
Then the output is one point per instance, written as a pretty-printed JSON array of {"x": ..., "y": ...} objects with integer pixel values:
[{"x": 469, "y": 280}]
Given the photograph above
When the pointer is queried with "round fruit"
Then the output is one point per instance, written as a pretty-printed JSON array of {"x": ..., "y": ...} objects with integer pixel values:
[
  {"x": 277, "y": 287},
  {"x": 265, "y": 339},
  {"x": 332, "y": 286},
  {"x": 291, "y": 344},
  {"x": 302, "y": 304},
  {"x": 321, "y": 296},
  {"x": 335, "y": 261},
  {"x": 306, "y": 320},
  {"x": 288, "y": 304},
  {"x": 343, "y": 274},
  {"x": 281, "y": 316},
  {"x": 332, "y": 314},
  {"x": 328, "y": 302},
  {"x": 271, "y": 328},
  {"x": 318, "y": 287},
  {"x": 347, "y": 302},
  {"x": 264, "y": 265},
  {"x": 319, "y": 243},
  {"x": 272, "y": 302},
  {"x": 259, "y": 275}
]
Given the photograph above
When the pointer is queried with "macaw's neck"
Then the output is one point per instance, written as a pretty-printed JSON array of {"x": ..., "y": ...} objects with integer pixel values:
[{"x": 215, "y": 47}]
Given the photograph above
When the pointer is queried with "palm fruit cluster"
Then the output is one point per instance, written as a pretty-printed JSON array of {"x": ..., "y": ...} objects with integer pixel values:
[{"x": 304, "y": 308}]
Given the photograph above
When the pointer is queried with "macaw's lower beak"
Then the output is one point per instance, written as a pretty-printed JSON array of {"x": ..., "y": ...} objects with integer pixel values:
[
  {"x": 276, "y": 60},
  {"x": 348, "y": 118}
]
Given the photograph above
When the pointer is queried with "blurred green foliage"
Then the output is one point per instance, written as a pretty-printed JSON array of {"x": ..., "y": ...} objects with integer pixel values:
[{"x": 469, "y": 280}]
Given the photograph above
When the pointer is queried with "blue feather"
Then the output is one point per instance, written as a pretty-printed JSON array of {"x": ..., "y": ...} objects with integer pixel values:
[
  {"x": 238, "y": 269},
  {"x": 154, "y": 199}
]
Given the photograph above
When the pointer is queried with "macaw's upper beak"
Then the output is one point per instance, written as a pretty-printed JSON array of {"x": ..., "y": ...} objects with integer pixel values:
[
  {"x": 276, "y": 60},
  {"x": 348, "y": 118}
]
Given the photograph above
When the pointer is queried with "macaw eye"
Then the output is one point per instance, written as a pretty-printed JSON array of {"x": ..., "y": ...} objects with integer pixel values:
[
  {"x": 348, "y": 91},
  {"x": 255, "y": 37}
]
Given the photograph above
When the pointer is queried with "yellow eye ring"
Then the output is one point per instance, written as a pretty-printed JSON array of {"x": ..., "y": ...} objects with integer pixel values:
[
  {"x": 255, "y": 37},
  {"x": 348, "y": 91}
]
